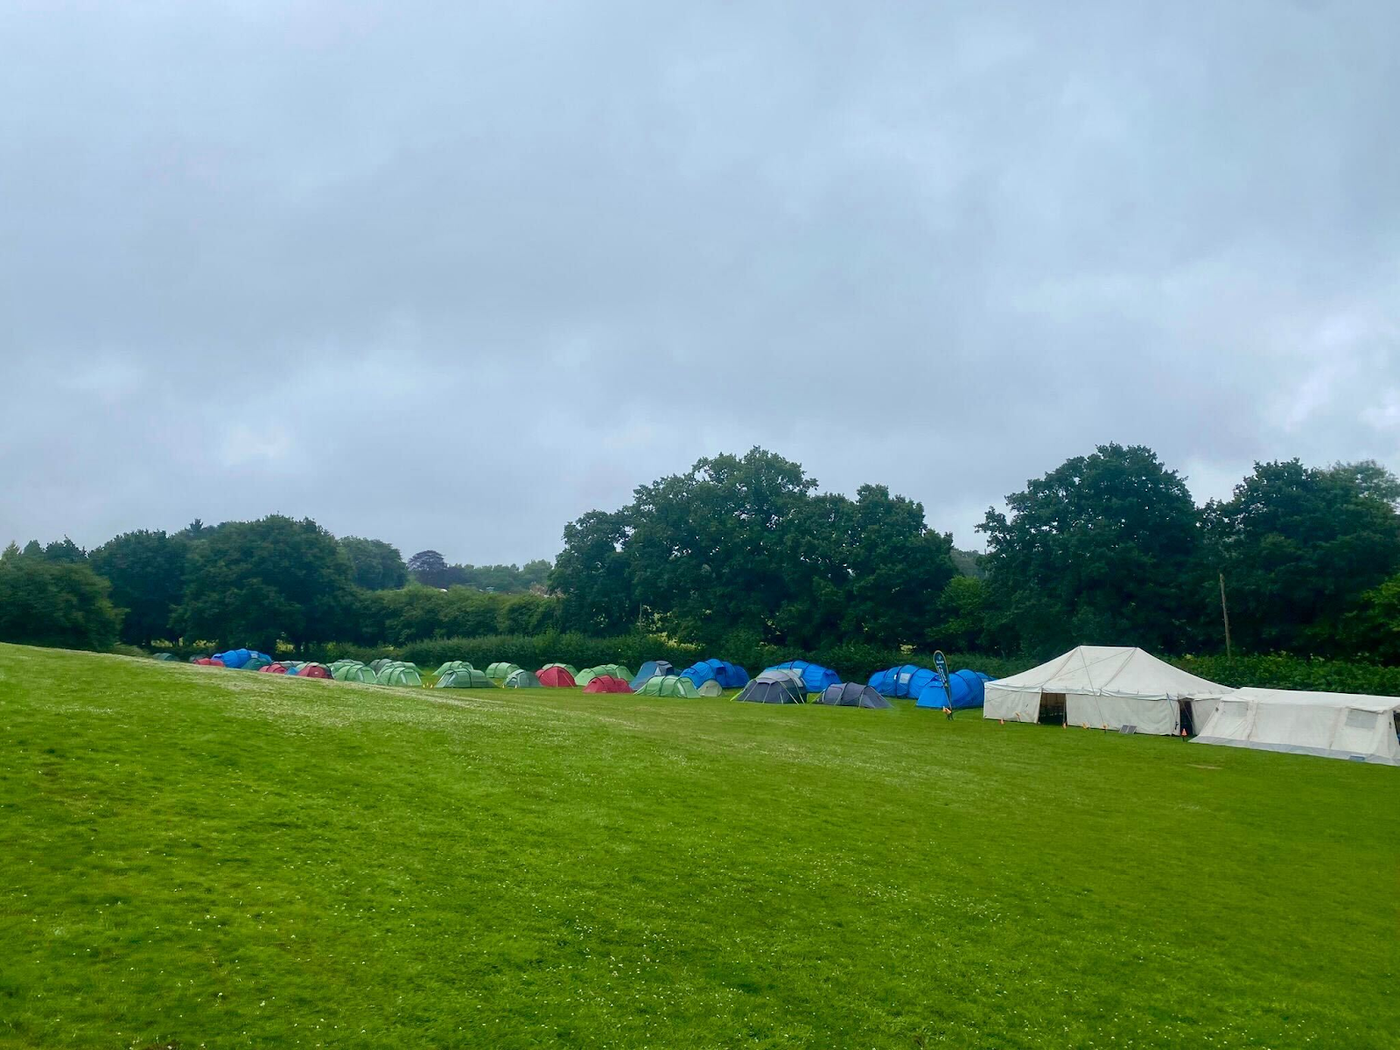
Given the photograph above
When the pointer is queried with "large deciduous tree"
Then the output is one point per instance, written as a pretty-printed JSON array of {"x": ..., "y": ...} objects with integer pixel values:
[
  {"x": 1101, "y": 550},
  {"x": 374, "y": 564},
  {"x": 147, "y": 573},
  {"x": 1298, "y": 546},
  {"x": 741, "y": 544},
  {"x": 55, "y": 603},
  {"x": 593, "y": 574},
  {"x": 255, "y": 582}
]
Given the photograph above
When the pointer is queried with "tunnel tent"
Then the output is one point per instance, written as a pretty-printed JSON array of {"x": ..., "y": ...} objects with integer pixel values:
[
  {"x": 452, "y": 665},
  {"x": 774, "y": 687},
  {"x": 256, "y": 663},
  {"x": 906, "y": 680},
  {"x": 729, "y": 676},
  {"x": 234, "y": 658},
  {"x": 699, "y": 673},
  {"x": 573, "y": 671},
  {"x": 521, "y": 679},
  {"x": 1350, "y": 726},
  {"x": 555, "y": 676},
  {"x": 501, "y": 670},
  {"x": 1117, "y": 687},
  {"x": 273, "y": 669},
  {"x": 312, "y": 670},
  {"x": 853, "y": 694},
  {"x": 208, "y": 661},
  {"x": 378, "y": 665},
  {"x": 398, "y": 674},
  {"x": 610, "y": 670},
  {"x": 606, "y": 683},
  {"x": 465, "y": 678},
  {"x": 967, "y": 689},
  {"x": 668, "y": 685},
  {"x": 814, "y": 676},
  {"x": 353, "y": 672},
  {"x": 651, "y": 669}
]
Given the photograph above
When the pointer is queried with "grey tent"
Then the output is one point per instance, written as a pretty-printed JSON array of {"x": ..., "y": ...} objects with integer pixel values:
[
  {"x": 774, "y": 687},
  {"x": 853, "y": 694},
  {"x": 522, "y": 679}
]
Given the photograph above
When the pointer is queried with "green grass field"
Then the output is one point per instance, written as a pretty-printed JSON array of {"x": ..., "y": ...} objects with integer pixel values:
[{"x": 198, "y": 857}]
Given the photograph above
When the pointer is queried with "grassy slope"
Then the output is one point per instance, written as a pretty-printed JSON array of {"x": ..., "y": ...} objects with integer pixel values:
[{"x": 215, "y": 858}]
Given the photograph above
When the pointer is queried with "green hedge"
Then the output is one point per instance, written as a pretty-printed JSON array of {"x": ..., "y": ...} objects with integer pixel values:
[{"x": 1281, "y": 671}]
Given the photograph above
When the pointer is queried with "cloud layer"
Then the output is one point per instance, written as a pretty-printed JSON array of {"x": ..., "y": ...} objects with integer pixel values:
[{"x": 451, "y": 278}]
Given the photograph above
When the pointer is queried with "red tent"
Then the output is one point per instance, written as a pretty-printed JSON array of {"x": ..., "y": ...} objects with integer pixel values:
[
  {"x": 273, "y": 669},
  {"x": 556, "y": 677},
  {"x": 312, "y": 671},
  {"x": 209, "y": 661},
  {"x": 606, "y": 683}
]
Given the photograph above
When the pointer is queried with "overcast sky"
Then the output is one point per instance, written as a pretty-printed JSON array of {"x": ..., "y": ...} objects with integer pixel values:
[{"x": 451, "y": 275}]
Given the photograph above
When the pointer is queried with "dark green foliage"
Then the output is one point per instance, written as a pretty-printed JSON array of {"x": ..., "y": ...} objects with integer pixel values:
[
  {"x": 55, "y": 603},
  {"x": 147, "y": 573},
  {"x": 593, "y": 576},
  {"x": 64, "y": 552},
  {"x": 962, "y": 614},
  {"x": 1372, "y": 630},
  {"x": 1298, "y": 547},
  {"x": 742, "y": 543},
  {"x": 255, "y": 582},
  {"x": 432, "y": 570},
  {"x": 374, "y": 564},
  {"x": 1099, "y": 551}
]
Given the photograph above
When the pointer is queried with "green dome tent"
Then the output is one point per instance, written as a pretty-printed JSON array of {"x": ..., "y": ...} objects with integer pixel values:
[
  {"x": 353, "y": 672},
  {"x": 465, "y": 678},
  {"x": 378, "y": 665},
  {"x": 668, "y": 685},
  {"x": 611, "y": 670},
  {"x": 399, "y": 675},
  {"x": 573, "y": 671},
  {"x": 453, "y": 665},
  {"x": 165, "y": 657},
  {"x": 501, "y": 670},
  {"x": 520, "y": 679},
  {"x": 710, "y": 688}
]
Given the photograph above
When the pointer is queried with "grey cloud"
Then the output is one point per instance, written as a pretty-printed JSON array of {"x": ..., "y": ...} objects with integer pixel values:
[{"x": 452, "y": 277}]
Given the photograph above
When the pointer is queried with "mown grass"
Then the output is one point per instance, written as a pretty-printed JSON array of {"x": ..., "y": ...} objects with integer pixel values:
[{"x": 198, "y": 857}]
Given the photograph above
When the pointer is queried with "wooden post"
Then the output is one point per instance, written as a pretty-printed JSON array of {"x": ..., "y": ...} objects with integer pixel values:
[{"x": 1225, "y": 615}]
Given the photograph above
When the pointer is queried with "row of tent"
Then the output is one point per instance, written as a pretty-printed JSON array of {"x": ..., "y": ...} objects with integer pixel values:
[
  {"x": 1127, "y": 689},
  {"x": 790, "y": 682}
]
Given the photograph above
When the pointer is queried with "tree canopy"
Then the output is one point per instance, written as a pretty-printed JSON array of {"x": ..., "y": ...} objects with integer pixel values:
[{"x": 743, "y": 543}]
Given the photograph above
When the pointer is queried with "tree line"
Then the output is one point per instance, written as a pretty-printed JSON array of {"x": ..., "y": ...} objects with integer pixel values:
[
  {"x": 255, "y": 583},
  {"x": 1107, "y": 548},
  {"x": 741, "y": 552}
]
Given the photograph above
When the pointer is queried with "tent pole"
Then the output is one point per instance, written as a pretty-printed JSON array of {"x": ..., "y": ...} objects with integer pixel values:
[{"x": 1225, "y": 615}]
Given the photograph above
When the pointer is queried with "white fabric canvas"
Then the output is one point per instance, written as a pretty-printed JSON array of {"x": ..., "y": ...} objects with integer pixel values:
[
  {"x": 1332, "y": 725},
  {"x": 1091, "y": 677}
]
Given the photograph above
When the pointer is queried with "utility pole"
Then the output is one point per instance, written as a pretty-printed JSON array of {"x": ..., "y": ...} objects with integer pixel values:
[{"x": 1225, "y": 615}]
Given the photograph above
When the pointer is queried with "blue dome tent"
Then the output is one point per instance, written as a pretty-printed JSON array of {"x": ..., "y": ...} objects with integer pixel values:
[
  {"x": 908, "y": 680},
  {"x": 814, "y": 676},
  {"x": 966, "y": 688},
  {"x": 729, "y": 676}
]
